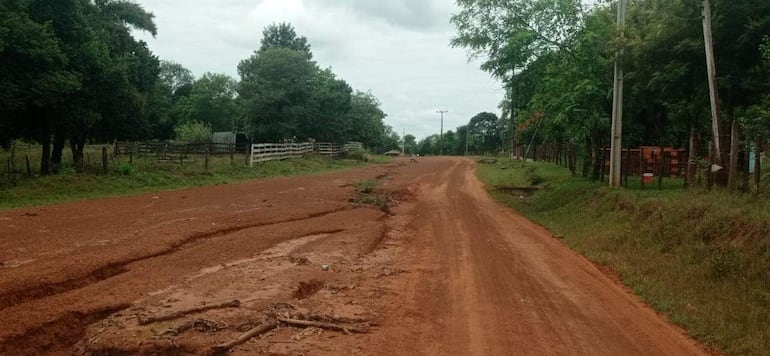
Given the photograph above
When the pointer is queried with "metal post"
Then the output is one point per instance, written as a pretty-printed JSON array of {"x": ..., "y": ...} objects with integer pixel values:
[{"x": 617, "y": 107}]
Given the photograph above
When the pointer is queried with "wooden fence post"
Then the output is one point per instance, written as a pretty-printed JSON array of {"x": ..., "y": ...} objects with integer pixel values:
[
  {"x": 661, "y": 168},
  {"x": 105, "y": 164},
  {"x": 206, "y": 163},
  {"x": 29, "y": 170},
  {"x": 642, "y": 167}
]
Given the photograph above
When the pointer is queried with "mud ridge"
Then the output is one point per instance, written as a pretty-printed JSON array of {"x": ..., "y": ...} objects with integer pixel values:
[
  {"x": 116, "y": 268},
  {"x": 57, "y": 336}
]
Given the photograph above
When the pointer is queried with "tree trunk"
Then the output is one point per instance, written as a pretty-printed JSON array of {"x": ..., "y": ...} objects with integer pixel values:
[
  {"x": 77, "y": 145},
  {"x": 45, "y": 159},
  {"x": 58, "y": 150}
]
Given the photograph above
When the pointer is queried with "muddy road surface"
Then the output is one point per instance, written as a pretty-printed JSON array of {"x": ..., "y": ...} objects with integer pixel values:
[{"x": 406, "y": 258}]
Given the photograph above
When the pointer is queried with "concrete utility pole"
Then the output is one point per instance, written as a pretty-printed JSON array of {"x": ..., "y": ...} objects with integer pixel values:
[
  {"x": 616, "y": 147},
  {"x": 441, "y": 136},
  {"x": 712, "y": 78}
]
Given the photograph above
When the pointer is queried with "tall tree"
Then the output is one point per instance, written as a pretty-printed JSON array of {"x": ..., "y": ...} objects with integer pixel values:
[
  {"x": 484, "y": 127},
  {"x": 283, "y": 35},
  {"x": 211, "y": 101},
  {"x": 276, "y": 89},
  {"x": 366, "y": 120}
]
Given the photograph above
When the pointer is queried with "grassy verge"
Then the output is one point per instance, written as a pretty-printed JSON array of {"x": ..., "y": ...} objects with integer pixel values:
[
  {"x": 702, "y": 259},
  {"x": 149, "y": 175}
]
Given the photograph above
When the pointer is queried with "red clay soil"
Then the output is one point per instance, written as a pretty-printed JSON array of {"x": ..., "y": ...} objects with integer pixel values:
[{"x": 442, "y": 270}]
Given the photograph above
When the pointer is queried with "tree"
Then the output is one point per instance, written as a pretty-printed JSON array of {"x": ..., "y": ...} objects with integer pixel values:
[
  {"x": 365, "y": 118},
  {"x": 174, "y": 76},
  {"x": 34, "y": 76},
  {"x": 276, "y": 87},
  {"x": 484, "y": 127},
  {"x": 512, "y": 33},
  {"x": 410, "y": 144},
  {"x": 286, "y": 96},
  {"x": 390, "y": 140},
  {"x": 282, "y": 35},
  {"x": 211, "y": 101},
  {"x": 329, "y": 102}
]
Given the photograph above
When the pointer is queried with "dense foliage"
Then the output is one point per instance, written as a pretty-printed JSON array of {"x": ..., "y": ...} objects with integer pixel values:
[
  {"x": 556, "y": 59},
  {"x": 72, "y": 73}
]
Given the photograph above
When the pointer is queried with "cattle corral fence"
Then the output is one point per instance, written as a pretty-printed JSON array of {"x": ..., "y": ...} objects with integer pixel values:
[
  {"x": 262, "y": 152},
  {"x": 258, "y": 152}
]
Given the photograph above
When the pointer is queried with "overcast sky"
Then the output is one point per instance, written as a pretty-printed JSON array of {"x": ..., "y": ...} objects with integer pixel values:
[{"x": 398, "y": 49}]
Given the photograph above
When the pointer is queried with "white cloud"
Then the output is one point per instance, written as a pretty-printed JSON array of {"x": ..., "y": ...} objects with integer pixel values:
[{"x": 398, "y": 49}]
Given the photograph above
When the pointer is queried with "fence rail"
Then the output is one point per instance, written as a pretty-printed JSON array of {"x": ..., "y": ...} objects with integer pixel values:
[
  {"x": 162, "y": 149},
  {"x": 262, "y": 152}
]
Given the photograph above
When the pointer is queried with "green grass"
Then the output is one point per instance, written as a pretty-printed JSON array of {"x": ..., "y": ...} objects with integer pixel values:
[
  {"x": 146, "y": 174},
  {"x": 702, "y": 259}
]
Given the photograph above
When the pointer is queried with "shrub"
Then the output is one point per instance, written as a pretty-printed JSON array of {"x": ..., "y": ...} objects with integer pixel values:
[
  {"x": 126, "y": 169},
  {"x": 533, "y": 176},
  {"x": 193, "y": 132},
  {"x": 358, "y": 155}
]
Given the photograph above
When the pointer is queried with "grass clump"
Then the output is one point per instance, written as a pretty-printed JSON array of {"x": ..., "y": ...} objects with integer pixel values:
[
  {"x": 700, "y": 258},
  {"x": 367, "y": 195}
]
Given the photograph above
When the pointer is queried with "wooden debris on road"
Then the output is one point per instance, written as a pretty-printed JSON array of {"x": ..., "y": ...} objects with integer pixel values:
[
  {"x": 346, "y": 328},
  {"x": 149, "y": 320},
  {"x": 255, "y": 331}
]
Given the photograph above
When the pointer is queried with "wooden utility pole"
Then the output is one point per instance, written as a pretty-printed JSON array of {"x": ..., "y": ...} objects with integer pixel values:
[
  {"x": 712, "y": 79},
  {"x": 441, "y": 137},
  {"x": 616, "y": 146}
]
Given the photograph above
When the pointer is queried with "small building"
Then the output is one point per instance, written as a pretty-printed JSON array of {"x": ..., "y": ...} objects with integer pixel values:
[{"x": 222, "y": 140}]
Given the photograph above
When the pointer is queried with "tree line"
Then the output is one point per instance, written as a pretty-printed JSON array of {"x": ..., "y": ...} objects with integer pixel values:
[
  {"x": 73, "y": 74},
  {"x": 556, "y": 57}
]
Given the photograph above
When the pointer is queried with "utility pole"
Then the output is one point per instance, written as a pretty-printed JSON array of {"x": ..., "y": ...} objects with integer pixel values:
[
  {"x": 441, "y": 136},
  {"x": 616, "y": 147},
  {"x": 712, "y": 79},
  {"x": 467, "y": 132},
  {"x": 513, "y": 119},
  {"x": 403, "y": 137}
]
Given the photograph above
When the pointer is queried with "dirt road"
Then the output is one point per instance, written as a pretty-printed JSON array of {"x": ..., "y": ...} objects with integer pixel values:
[{"x": 441, "y": 270}]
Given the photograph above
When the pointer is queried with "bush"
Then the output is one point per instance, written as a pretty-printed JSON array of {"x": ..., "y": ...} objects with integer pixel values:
[
  {"x": 126, "y": 169},
  {"x": 358, "y": 155},
  {"x": 194, "y": 132},
  {"x": 533, "y": 176}
]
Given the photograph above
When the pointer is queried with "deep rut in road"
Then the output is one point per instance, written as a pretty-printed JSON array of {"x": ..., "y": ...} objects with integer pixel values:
[
  {"x": 58, "y": 336},
  {"x": 119, "y": 267}
]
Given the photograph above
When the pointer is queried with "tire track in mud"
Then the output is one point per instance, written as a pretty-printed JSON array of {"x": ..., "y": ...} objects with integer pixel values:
[
  {"x": 60, "y": 335},
  {"x": 57, "y": 336},
  {"x": 119, "y": 267}
]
